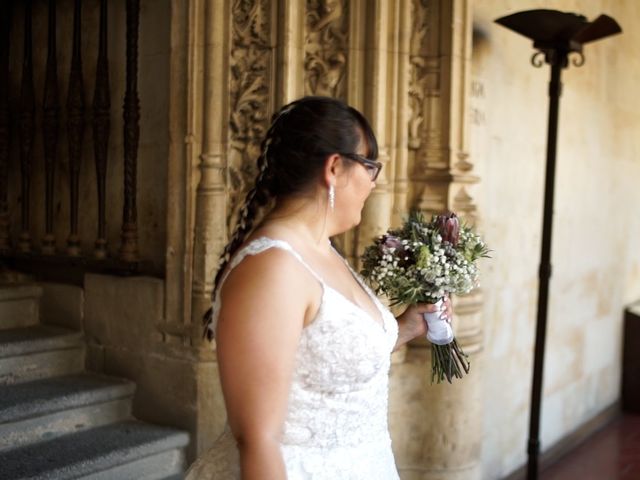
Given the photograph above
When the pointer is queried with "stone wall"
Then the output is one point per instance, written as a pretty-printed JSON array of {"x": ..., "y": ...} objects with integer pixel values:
[{"x": 596, "y": 229}]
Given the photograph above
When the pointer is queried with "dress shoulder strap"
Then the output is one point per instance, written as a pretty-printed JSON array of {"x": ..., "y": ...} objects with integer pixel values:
[
  {"x": 262, "y": 244},
  {"x": 255, "y": 247}
]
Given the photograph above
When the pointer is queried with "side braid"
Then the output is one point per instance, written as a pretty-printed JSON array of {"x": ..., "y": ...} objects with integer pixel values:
[{"x": 257, "y": 197}]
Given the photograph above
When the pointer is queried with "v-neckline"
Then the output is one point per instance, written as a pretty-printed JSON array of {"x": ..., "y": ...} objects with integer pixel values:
[{"x": 381, "y": 322}]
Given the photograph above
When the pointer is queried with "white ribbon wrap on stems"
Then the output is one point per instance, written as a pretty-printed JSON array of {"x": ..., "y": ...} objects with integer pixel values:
[{"x": 439, "y": 330}]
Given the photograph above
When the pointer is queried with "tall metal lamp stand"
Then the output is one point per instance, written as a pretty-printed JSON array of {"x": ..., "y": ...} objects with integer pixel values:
[{"x": 556, "y": 35}]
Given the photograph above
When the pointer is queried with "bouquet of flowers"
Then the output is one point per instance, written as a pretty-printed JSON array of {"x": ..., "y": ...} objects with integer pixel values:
[{"x": 421, "y": 263}]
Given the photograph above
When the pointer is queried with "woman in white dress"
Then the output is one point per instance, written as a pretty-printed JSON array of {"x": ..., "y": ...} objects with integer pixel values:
[{"x": 303, "y": 345}]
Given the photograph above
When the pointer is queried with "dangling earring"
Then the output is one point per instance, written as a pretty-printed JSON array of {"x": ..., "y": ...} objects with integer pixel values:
[{"x": 332, "y": 197}]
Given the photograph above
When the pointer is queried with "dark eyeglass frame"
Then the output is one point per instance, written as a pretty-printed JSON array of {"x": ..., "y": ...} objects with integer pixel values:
[{"x": 366, "y": 162}]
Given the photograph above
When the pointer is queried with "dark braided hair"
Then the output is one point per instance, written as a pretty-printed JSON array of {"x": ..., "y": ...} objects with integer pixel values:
[{"x": 293, "y": 153}]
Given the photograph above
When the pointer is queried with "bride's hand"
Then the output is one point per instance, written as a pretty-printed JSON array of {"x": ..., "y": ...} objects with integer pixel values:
[{"x": 413, "y": 321}]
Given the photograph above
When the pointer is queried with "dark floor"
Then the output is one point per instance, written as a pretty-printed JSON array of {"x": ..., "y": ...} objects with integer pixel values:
[{"x": 613, "y": 453}]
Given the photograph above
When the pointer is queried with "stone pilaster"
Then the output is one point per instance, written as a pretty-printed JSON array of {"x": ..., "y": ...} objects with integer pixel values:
[
  {"x": 210, "y": 233},
  {"x": 437, "y": 429},
  {"x": 379, "y": 81},
  {"x": 197, "y": 199}
]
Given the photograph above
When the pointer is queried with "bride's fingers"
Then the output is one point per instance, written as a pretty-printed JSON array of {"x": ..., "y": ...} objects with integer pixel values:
[
  {"x": 428, "y": 308},
  {"x": 448, "y": 308},
  {"x": 444, "y": 309}
]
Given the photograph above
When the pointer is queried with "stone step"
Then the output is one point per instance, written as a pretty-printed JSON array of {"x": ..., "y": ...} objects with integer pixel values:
[
  {"x": 40, "y": 351},
  {"x": 43, "y": 409},
  {"x": 123, "y": 451},
  {"x": 19, "y": 305}
]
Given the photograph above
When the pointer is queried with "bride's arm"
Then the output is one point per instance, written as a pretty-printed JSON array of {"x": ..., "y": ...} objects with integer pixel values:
[
  {"x": 411, "y": 323},
  {"x": 258, "y": 331}
]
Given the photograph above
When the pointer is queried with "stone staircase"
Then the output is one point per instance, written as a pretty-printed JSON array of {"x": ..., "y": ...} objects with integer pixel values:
[{"x": 58, "y": 421}]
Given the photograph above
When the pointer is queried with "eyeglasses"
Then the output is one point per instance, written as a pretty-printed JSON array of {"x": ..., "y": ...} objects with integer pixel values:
[{"x": 373, "y": 167}]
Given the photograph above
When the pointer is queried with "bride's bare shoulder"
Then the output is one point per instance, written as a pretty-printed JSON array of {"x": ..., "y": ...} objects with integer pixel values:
[{"x": 266, "y": 269}]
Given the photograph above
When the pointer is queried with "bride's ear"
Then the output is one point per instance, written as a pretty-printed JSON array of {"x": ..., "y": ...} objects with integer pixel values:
[{"x": 334, "y": 168}]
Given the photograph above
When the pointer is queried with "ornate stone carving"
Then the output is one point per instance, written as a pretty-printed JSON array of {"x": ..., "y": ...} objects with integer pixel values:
[
  {"x": 326, "y": 47},
  {"x": 417, "y": 52},
  {"x": 425, "y": 123},
  {"x": 250, "y": 94}
]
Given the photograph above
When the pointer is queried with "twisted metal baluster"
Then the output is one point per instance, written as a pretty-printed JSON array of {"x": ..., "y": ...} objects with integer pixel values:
[
  {"x": 101, "y": 127},
  {"x": 26, "y": 129},
  {"x": 131, "y": 114},
  {"x": 75, "y": 128},
  {"x": 50, "y": 129},
  {"x": 5, "y": 30}
]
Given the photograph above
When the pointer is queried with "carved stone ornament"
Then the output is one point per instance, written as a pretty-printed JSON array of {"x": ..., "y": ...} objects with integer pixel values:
[
  {"x": 417, "y": 52},
  {"x": 425, "y": 108},
  {"x": 250, "y": 68},
  {"x": 326, "y": 47}
]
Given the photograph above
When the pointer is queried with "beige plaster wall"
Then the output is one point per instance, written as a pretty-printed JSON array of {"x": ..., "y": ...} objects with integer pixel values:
[
  {"x": 153, "y": 87},
  {"x": 595, "y": 255}
]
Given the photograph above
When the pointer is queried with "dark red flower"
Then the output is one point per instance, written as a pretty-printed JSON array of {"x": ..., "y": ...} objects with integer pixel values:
[{"x": 449, "y": 227}]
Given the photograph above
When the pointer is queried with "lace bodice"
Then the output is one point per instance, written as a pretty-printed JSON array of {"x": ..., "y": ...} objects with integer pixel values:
[{"x": 336, "y": 423}]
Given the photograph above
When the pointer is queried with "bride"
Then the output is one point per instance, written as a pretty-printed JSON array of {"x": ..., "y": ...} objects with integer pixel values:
[{"x": 303, "y": 345}]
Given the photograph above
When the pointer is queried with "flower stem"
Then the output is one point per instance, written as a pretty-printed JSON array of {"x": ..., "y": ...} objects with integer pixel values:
[{"x": 448, "y": 361}]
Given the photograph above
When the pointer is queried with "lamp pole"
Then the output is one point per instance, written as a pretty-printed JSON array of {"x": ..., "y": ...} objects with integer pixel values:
[
  {"x": 558, "y": 61},
  {"x": 555, "y": 35}
]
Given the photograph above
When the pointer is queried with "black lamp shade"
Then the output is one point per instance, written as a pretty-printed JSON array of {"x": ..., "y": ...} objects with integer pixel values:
[{"x": 554, "y": 29}]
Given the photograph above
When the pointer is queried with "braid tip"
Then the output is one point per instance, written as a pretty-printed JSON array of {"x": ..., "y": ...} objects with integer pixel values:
[{"x": 207, "y": 319}]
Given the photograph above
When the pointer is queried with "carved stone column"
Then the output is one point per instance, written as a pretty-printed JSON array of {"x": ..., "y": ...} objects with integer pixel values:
[
  {"x": 222, "y": 96},
  {"x": 400, "y": 145},
  {"x": 210, "y": 232},
  {"x": 380, "y": 82},
  {"x": 289, "y": 52},
  {"x": 185, "y": 114},
  {"x": 437, "y": 429}
]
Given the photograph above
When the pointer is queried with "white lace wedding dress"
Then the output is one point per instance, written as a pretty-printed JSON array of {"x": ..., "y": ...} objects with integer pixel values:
[{"x": 336, "y": 424}]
